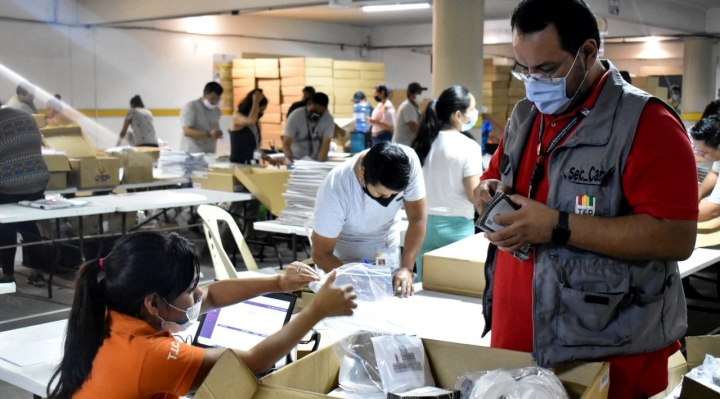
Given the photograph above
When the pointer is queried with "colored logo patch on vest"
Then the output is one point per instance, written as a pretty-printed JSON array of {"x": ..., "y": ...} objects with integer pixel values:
[{"x": 585, "y": 205}]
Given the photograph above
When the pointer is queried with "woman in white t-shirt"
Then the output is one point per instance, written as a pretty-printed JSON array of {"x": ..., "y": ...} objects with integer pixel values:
[{"x": 452, "y": 165}]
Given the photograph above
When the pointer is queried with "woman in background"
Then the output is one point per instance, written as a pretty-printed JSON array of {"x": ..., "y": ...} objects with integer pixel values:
[
  {"x": 141, "y": 121},
  {"x": 245, "y": 132},
  {"x": 452, "y": 165}
]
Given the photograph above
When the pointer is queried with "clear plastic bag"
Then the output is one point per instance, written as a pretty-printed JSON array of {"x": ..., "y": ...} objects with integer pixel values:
[
  {"x": 373, "y": 362},
  {"x": 371, "y": 283},
  {"x": 524, "y": 383},
  {"x": 708, "y": 372}
]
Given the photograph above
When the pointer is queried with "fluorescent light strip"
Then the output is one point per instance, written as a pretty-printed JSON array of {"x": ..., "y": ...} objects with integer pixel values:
[{"x": 396, "y": 7}]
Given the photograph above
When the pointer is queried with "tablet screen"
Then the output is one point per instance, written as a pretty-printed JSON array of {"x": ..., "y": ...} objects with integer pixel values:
[{"x": 244, "y": 325}]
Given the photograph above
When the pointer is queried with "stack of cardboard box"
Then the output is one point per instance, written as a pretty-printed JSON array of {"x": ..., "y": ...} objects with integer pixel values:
[
  {"x": 223, "y": 70},
  {"x": 351, "y": 77},
  {"x": 651, "y": 84},
  {"x": 243, "y": 74},
  {"x": 271, "y": 124},
  {"x": 296, "y": 73},
  {"x": 496, "y": 89}
]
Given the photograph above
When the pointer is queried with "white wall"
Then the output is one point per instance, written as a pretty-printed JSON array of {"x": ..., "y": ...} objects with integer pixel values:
[{"x": 101, "y": 68}]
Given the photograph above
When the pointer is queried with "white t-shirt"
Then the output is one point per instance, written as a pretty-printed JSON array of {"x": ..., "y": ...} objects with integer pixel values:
[
  {"x": 715, "y": 194},
  {"x": 361, "y": 225},
  {"x": 407, "y": 112},
  {"x": 387, "y": 117},
  {"x": 451, "y": 159}
]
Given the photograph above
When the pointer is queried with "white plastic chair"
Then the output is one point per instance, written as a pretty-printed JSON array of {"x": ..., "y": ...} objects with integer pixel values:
[{"x": 224, "y": 268}]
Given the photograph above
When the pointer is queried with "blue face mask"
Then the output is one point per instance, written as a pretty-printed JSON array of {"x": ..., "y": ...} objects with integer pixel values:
[
  {"x": 550, "y": 97},
  {"x": 471, "y": 123}
]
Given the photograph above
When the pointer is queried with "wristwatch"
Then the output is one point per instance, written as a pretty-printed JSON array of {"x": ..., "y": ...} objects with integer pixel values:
[{"x": 561, "y": 231}]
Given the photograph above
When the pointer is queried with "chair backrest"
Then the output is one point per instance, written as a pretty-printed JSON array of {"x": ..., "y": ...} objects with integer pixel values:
[{"x": 224, "y": 268}]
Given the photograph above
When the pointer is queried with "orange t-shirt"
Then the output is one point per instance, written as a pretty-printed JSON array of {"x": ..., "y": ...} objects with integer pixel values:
[{"x": 136, "y": 361}]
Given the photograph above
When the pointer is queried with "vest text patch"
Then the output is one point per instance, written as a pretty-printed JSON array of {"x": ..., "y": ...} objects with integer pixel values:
[{"x": 593, "y": 175}]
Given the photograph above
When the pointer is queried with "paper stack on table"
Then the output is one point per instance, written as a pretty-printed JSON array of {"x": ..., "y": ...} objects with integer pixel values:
[
  {"x": 302, "y": 187},
  {"x": 181, "y": 163}
]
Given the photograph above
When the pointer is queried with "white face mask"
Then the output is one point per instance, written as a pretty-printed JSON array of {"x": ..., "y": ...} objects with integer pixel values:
[
  {"x": 474, "y": 116},
  {"x": 192, "y": 313},
  {"x": 208, "y": 104},
  {"x": 675, "y": 97},
  {"x": 550, "y": 95}
]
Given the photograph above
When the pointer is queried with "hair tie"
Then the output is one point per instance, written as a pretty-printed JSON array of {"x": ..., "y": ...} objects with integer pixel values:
[{"x": 102, "y": 263}]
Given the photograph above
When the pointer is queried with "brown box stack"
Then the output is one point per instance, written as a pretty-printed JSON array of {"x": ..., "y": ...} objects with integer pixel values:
[
  {"x": 351, "y": 77},
  {"x": 298, "y": 72},
  {"x": 496, "y": 85},
  {"x": 243, "y": 74}
]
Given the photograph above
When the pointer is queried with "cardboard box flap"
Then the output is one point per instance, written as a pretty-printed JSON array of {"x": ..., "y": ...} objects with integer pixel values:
[
  {"x": 229, "y": 378},
  {"x": 71, "y": 140},
  {"x": 267, "y": 185},
  {"x": 57, "y": 163},
  {"x": 317, "y": 373},
  {"x": 698, "y": 347},
  {"x": 693, "y": 389}
]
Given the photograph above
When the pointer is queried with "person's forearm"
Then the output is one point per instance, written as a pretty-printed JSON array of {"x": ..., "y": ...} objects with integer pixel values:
[
  {"x": 414, "y": 238},
  {"x": 708, "y": 211},
  {"x": 634, "y": 237},
  {"x": 195, "y": 134},
  {"x": 232, "y": 291},
  {"x": 264, "y": 355},
  {"x": 707, "y": 185},
  {"x": 327, "y": 262}
]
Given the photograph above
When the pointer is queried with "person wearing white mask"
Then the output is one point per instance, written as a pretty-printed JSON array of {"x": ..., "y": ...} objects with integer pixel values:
[
  {"x": 201, "y": 121},
  {"x": 675, "y": 101},
  {"x": 452, "y": 165},
  {"x": 585, "y": 160},
  {"x": 119, "y": 341}
]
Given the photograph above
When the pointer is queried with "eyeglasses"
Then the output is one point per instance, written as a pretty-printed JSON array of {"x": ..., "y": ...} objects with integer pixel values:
[{"x": 521, "y": 72}]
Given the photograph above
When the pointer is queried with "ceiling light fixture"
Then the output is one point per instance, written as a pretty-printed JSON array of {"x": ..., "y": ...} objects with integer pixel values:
[{"x": 396, "y": 7}]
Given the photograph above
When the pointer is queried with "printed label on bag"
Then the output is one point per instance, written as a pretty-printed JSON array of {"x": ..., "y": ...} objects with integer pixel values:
[{"x": 406, "y": 361}]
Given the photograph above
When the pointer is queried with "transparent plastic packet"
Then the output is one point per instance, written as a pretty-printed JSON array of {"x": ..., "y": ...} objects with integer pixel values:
[
  {"x": 499, "y": 205},
  {"x": 371, "y": 283},
  {"x": 523, "y": 383},
  {"x": 376, "y": 362}
]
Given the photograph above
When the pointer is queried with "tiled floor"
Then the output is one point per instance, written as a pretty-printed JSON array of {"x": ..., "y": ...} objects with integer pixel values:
[{"x": 30, "y": 306}]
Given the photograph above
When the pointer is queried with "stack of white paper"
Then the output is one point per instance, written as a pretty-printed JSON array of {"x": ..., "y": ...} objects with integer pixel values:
[
  {"x": 302, "y": 187},
  {"x": 181, "y": 163}
]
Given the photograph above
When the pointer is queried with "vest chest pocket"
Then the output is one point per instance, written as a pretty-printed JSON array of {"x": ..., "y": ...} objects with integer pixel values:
[{"x": 587, "y": 188}]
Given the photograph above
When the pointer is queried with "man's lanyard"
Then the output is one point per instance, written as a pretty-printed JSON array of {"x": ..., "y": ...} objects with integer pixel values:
[{"x": 538, "y": 172}]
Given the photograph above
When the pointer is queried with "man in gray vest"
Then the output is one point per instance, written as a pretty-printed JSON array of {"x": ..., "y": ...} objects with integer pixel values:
[{"x": 585, "y": 157}]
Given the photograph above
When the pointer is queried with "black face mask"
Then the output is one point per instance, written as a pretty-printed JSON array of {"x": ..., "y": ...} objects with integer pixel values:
[
  {"x": 378, "y": 99},
  {"x": 314, "y": 116},
  {"x": 380, "y": 200}
]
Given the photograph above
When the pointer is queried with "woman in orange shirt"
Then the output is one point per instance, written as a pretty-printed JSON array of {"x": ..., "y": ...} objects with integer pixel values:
[{"x": 119, "y": 340}]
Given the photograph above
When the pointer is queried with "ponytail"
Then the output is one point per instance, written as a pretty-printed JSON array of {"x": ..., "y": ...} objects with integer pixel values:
[
  {"x": 427, "y": 132},
  {"x": 438, "y": 115},
  {"x": 86, "y": 331}
]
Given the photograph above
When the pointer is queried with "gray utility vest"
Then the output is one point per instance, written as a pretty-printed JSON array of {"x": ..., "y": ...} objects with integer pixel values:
[{"x": 588, "y": 306}]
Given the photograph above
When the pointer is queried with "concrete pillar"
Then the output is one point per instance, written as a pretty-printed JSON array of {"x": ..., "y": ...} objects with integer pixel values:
[
  {"x": 698, "y": 86},
  {"x": 458, "y": 45}
]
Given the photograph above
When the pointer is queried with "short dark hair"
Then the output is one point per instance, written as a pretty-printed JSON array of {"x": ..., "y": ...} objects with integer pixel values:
[
  {"x": 573, "y": 19},
  {"x": 137, "y": 102},
  {"x": 320, "y": 99},
  {"x": 245, "y": 106},
  {"x": 309, "y": 90},
  {"x": 707, "y": 130},
  {"x": 213, "y": 87},
  {"x": 382, "y": 88},
  {"x": 25, "y": 88},
  {"x": 387, "y": 164}
]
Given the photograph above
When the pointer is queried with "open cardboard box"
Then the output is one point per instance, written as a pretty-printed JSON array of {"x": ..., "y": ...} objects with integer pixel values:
[
  {"x": 87, "y": 170},
  {"x": 216, "y": 179},
  {"x": 267, "y": 185},
  {"x": 697, "y": 348},
  {"x": 458, "y": 268},
  {"x": 318, "y": 372},
  {"x": 137, "y": 166},
  {"x": 59, "y": 166}
]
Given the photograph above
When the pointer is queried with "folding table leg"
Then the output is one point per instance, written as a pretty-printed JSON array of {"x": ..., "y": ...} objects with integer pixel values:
[
  {"x": 56, "y": 259},
  {"x": 81, "y": 239}
]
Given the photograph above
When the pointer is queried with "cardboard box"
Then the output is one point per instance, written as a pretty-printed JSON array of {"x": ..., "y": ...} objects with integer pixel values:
[
  {"x": 497, "y": 93},
  {"x": 318, "y": 81},
  {"x": 372, "y": 66},
  {"x": 458, "y": 268},
  {"x": 40, "y": 120},
  {"x": 317, "y": 373},
  {"x": 503, "y": 77},
  {"x": 346, "y": 83},
  {"x": 268, "y": 84},
  {"x": 343, "y": 111},
  {"x": 516, "y": 83},
  {"x": 307, "y": 72},
  {"x": 373, "y": 75},
  {"x": 271, "y": 118},
  {"x": 495, "y": 101},
  {"x": 697, "y": 348},
  {"x": 58, "y": 181},
  {"x": 273, "y": 109},
  {"x": 230, "y": 378},
  {"x": 216, "y": 179},
  {"x": 244, "y": 82},
  {"x": 267, "y": 73},
  {"x": 137, "y": 167},
  {"x": 271, "y": 92},
  {"x": 344, "y": 95},
  {"x": 273, "y": 98},
  {"x": 291, "y": 99},
  {"x": 285, "y": 107},
  {"x": 497, "y": 109},
  {"x": 488, "y": 62},
  {"x": 267, "y": 185},
  {"x": 243, "y": 73},
  {"x": 306, "y": 62},
  {"x": 497, "y": 69},
  {"x": 516, "y": 92},
  {"x": 343, "y": 74},
  {"x": 347, "y": 65},
  {"x": 298, "y": 81},
  {"x": 291, "y": 91},
  {"x": 242, "y": 63},
  {"x": 59, "y": 166},
  {"x": 239, "y": 93},
  {"x": 494, "y": 85},
  {"x": 328, "y": 90}
]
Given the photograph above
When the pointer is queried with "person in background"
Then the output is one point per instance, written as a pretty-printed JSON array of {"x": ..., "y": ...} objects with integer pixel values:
[
  {"x": 408, "y": 116},
  {"x": 309, "y": 131},
  {"x": 706, "y": 139},
  {"x": 141, "y": 121},
  {"x": 23, "y": 177},
  {"x": 452, "y": 165},
  {"x": 55, "y": 115},
  {"x": 356, "y": 211},
  {"x": 307, "y": 94},
  {"x": 605, "y": 230},
  {"x": 245, "y": 134},
  {"x": 361, "y": 112},
  {"x": 24, "y": 98},
  {"x": 201, "y": 120},
  {"x": 383, "y": 117},
  {"x": 119, "y": 341},
  {"x": 675, "y": 99}
]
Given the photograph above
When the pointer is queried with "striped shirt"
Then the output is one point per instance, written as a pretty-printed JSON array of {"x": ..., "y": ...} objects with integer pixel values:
[{"x": 22, "y": 168}]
